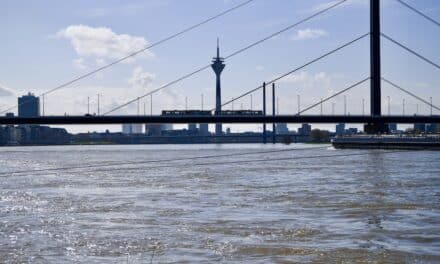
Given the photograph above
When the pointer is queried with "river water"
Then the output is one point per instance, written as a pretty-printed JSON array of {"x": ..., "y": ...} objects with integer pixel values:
[{"x": 290, "y": 205}]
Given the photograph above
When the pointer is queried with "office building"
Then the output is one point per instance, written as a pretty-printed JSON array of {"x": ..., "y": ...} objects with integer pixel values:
[
  {"x": 305, "y": 130},
  {"x": 153, "y": 129},
  {"x": 281, "y": 129},
  {"x": 204, "y": 129},
  {"x": 129, "y": 129},
  {"x": 192, "y": 128},
  {"x": 340, "y": 129},
  {"x": 28, "y": 106}
]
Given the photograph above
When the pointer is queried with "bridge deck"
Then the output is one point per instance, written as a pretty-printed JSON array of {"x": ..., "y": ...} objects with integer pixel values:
[{"x": 242, "y": 119}]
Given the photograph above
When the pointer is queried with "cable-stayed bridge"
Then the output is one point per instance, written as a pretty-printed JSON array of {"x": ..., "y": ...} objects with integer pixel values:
[{"x": 375, "y": 120}]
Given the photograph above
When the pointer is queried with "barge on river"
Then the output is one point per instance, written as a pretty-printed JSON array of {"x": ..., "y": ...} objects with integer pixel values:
[{"x": 422, "y": 142}]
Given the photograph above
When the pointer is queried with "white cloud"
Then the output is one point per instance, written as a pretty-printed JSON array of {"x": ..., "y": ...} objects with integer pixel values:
[
  {"x": 80, "y": 64},
  {"x": 141, "y": 78},
  {"x": 141, "y": 81},
  {"x": 100, "y": 44},
  {"x": 6, "y": 91},
  {"x": 309, "y": 33}
]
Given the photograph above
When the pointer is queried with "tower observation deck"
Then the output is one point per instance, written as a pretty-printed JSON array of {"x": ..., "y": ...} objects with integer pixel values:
[{"x": 218, "y": 66}]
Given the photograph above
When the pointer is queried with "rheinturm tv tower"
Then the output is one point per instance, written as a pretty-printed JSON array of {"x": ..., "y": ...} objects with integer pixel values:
[{"x": 218, "y": 66}]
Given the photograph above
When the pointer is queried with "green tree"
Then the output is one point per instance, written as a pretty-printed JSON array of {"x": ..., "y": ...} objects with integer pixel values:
[{"x": 319, "y": 136}]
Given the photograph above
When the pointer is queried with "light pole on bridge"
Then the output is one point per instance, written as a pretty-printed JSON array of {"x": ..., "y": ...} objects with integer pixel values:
[
  {"x": 264, "y": 112},
  {"x": 273, "y": 114},
  {"x": 389, "y": 105},
  {"x": 430, "y": 102},
  {"x": 363, "y": 106},
  {"x": 201, "y": 101},
  {"x": 98, "y": 104},
  {"x": 345, "y": 105}
]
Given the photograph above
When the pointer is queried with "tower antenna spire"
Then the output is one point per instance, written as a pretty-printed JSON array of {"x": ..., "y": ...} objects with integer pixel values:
[{"x": 218, "y": 47}]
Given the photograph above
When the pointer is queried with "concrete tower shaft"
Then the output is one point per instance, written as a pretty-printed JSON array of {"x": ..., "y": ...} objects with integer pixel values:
[{"x": 218, "y": 66}]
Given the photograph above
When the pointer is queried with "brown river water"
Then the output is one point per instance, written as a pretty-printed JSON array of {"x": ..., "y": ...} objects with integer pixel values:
[{"x": 159, "y": 204}]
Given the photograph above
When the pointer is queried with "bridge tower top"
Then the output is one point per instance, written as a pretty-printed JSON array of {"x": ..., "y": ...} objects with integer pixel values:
[{"x": 375, "y": 58}]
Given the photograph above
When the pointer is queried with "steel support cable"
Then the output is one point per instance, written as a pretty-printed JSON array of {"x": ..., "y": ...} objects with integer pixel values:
[
  {"x": 296, "y": 69},
  {"x": 138, "y": 52},
  {"x": 228, "y": 56},
  {"x": 287, "y": 28},
  {"x": 247, "y": 161},
  {"x": 419, "y": 12},
  {"x": 411, "y": 51},
  {"x": 334, "y": 95},
  {"x": 158, "y": 89},
  {"x": 411, "y": 94},
  {"x": 110, "y": 164}
]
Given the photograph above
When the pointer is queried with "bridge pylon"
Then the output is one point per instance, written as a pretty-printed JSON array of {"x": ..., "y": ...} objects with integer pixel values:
[{"x": 375, "y": 70}]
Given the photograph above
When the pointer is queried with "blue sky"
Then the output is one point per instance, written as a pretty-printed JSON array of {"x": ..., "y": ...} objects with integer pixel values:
[{"x": 46, "y": 43}]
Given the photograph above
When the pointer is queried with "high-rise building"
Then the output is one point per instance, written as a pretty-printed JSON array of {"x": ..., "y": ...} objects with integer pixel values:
[
  {"x": 192, "y": 127},
  {"x": 281, "y": 129},
  {"x": 28, "y": 106},
  {"x": 218, "y": 66},
  {"x": 204, "y": 129},
  {"x": 131, "y": 129},
  {"x": 340, "y": 129},
  {"x": 153, "y": 129},
  {"x": 305, "y": 130}
]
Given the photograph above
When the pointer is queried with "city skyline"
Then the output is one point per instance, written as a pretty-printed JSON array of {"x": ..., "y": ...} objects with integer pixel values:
[
  {"x": 128, "y": 134},
  {"x": 66, "y": 48}
]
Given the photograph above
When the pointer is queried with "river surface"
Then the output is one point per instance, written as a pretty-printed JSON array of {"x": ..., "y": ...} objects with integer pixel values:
[{"x": 285, "y": 204}]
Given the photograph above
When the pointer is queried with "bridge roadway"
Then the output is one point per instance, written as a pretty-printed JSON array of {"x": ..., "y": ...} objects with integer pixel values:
[{"x": 228, "y": 119}]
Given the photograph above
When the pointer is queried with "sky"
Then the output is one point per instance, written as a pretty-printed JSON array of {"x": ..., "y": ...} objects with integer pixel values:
[{"x": 47, "y": 43}]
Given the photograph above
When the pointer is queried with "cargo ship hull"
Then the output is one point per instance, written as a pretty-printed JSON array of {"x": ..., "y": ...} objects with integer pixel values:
[{"x": 387, "y": 142}]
